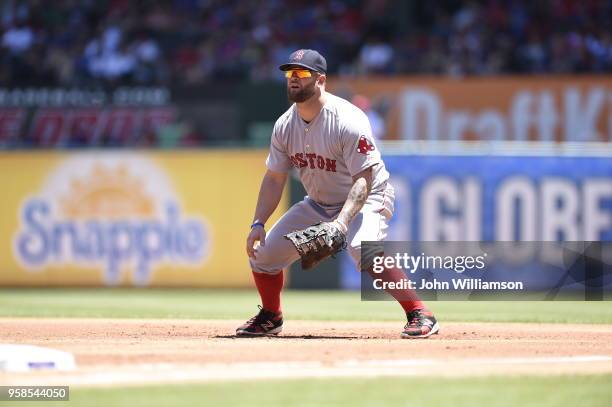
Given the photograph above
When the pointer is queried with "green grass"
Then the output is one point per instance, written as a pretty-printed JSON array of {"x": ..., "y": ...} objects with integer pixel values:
[
  {"x": 525, "y": 391},
  {"x": 299, "y": 305}
]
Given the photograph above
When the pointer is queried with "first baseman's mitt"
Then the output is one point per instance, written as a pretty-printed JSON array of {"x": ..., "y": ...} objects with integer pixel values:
[{"x": 317, "y": 242}]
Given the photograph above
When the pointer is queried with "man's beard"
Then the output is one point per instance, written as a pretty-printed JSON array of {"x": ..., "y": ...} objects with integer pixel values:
[{"x": 302, "y": 95}]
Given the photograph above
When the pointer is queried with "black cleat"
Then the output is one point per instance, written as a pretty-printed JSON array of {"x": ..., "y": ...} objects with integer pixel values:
[
  {"x": 263, "y": 324},
  {"x": 421, "y": 324}
]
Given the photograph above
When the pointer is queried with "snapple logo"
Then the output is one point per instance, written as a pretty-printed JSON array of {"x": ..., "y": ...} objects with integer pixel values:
[{"x": 117, "y": 215}]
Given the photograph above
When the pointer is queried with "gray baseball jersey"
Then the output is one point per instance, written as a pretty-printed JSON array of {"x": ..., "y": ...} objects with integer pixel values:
[{"x": 328, "y": 151}]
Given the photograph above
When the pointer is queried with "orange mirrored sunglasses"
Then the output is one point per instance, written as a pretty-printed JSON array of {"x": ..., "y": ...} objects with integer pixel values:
[{"x": 301, "y": 73}]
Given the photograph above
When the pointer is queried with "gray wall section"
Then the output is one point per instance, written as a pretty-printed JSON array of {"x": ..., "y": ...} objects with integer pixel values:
[{"x": 237, "y": 113}]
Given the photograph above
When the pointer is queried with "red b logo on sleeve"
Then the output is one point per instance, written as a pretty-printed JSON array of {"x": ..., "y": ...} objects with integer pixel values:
[{"x": 364, "y": 146}]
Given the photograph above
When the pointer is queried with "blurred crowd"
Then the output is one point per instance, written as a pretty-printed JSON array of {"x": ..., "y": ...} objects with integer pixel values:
[{"x": 187, "y": 42}]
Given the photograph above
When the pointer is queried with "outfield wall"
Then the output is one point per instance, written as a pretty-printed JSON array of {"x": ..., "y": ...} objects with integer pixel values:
[
  {"x": 128, "y": 218},
  {"x": 180, "y": 218},
  {"x": 550, "y": 194}
]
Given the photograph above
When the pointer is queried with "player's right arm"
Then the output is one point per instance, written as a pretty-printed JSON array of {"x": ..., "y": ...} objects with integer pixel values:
[{"x": 269, "y": 197}]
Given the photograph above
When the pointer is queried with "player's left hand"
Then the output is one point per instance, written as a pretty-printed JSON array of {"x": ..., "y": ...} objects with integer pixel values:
[{"x": 257, "y": 234}]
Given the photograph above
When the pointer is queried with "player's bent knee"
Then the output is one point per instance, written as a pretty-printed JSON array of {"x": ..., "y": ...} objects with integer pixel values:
[
  {"x": 263, "y": 263},
  {"x": 366, "y": 255}
]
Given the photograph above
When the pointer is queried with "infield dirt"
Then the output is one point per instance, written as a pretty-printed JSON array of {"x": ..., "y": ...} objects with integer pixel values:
[{"x": 128, "y": 351}]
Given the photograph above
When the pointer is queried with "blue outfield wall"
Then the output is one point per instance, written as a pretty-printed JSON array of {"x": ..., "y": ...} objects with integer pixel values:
[{"x": 497, "y": 198}]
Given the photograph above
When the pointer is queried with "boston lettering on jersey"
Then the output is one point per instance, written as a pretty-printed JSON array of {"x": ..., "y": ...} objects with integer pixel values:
[{"x": 312, "y": 160}]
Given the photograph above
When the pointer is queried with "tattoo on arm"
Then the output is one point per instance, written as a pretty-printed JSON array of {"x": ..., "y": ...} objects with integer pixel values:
[{"x": 356, "y": 199}]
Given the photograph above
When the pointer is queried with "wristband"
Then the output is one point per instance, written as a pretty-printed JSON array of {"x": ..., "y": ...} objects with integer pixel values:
[{"x": 258, "y": 224}]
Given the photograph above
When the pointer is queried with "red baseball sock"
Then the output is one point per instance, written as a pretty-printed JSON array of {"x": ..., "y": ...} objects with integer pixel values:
[
  {"x": 407, "y": 298},
  {"x": 269, "y": 287}
]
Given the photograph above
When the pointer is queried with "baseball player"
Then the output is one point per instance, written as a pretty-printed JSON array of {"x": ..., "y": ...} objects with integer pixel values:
[{"x": 329, "y": 141}]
